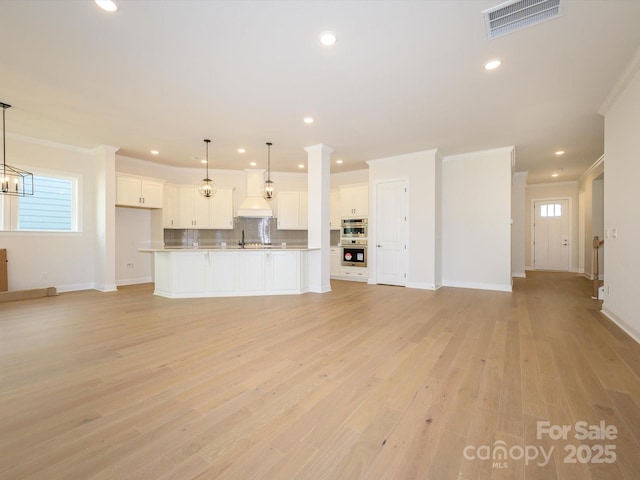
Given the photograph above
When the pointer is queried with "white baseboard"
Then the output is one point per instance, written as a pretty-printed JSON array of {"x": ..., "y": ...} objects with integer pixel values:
[
  {"x": 528, "y": 267},
  {"x": 628, "y": 329},
  {"x": 111, "y": 287},
  {"x": 133, "y": 281},
  {"x": 421, "y": 286},
  {"x": 478, "y": 286},
  {"x": 319, "y": 288},
  {"x": 519, "y": 274},
  {"x": 75, "y": 287}
]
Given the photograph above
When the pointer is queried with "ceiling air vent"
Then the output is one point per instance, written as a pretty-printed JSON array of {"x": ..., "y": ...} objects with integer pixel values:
[{"x": 514, "y": 15}]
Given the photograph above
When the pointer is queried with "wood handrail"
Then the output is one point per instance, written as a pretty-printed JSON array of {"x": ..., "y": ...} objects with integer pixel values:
[{"x": 596, "y": 281}]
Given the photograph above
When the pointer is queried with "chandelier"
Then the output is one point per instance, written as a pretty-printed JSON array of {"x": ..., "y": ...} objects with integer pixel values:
[
  {"x": 207, "y": 188},
  {"x": 14, "y": 180}
]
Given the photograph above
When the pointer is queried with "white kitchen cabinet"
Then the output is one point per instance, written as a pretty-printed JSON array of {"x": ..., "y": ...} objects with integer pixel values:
[
  {"x": 293, "y": 211},
  {"x": 334, "y": 210},
  {"x": 196, "y": 211},
  {"x": 284, "y": 271},
  {"x": 224, "y": 273},
  {"x": 194, "y": 208},
  {"x": 189, "y": 273},
  {"x": 334, "y": 262},
  {"x": 170, "y": 206},
  {"x": 354, "y": 201},
  {"x": 140, "y": 192},
  {"x": 253, "y": 272},
  {"x": 221, "y": 210},
  {"x": 358, "y": 274}
]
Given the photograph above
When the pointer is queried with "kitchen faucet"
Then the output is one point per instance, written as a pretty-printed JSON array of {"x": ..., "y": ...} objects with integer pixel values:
[{"x": 241, "y": 242}]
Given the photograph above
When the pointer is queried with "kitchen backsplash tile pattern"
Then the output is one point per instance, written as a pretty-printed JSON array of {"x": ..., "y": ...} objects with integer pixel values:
[{"x": 256, "y": 230}]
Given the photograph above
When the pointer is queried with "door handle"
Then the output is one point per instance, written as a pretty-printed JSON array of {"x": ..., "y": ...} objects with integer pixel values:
[{"x": 379, "y": 246}]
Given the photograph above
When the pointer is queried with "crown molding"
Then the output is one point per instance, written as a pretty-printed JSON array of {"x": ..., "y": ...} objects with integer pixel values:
[{"x": 621, "y": 84}]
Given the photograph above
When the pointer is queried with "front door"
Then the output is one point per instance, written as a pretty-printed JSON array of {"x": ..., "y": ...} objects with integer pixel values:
[
  {"x": 551, "y": 235},
  {"x": 391, "y": 220}
]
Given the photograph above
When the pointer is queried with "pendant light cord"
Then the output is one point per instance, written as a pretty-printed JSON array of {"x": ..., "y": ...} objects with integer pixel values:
[
  {"x": 269, "y": 161},
  {"x": 207, "y": 141},
  {"x": 4, "y": 144}
]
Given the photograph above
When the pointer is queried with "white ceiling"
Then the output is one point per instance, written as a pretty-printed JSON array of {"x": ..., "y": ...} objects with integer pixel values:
[{"x": 403, "y": 76}]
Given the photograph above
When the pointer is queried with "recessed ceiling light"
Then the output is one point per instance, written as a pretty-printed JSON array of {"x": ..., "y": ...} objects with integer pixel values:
[
  {"x": 107, "y": 5},
  {"x": 253, "y": 164},
  {"x": 555, "y": 174},
  {"x": 327, "y": 38},
  {"x": 492, "y": 64},
  {"x": 308, "y": 120},
  {"x": 560, "y": 152},
  {"x": 241, "y": 150},
  {"x": 155, "y": 152},
  {"x": 204, "y": 160},
  {"x": 300, "y": 166},
  {"x": 338, "y": 161}
]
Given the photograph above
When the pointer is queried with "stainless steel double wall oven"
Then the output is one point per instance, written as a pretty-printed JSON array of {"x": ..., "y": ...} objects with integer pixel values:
[{"x": 353, "y": 237}]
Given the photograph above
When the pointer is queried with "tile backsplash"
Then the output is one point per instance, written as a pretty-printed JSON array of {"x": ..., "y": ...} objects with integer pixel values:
[{"x": 256, "y": 230}]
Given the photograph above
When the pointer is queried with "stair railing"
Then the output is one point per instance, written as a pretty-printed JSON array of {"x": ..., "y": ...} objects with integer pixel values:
[{"x": 597, "y": 283}]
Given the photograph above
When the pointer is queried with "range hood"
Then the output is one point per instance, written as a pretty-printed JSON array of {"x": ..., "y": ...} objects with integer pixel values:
[{"x": 254, "y": 205}]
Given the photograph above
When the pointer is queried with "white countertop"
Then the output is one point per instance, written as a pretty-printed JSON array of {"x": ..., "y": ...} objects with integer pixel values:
[{"x": 233, "y": 248}]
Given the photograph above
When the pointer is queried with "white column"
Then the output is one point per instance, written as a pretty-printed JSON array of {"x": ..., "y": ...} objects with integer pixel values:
[
  {"x": 319, "y": 185},
  {"x": 105, "y": 267}
]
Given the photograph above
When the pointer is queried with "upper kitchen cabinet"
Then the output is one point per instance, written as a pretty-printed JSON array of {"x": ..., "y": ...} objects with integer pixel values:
[
  {"x": 170, "y": 207},
  {"x": 194, "y": 208},
  {"x": 221, "y": 210},
  {"x": 334, "y": 210},
  {"x": 292, "y": 211},
  {"x": 132, "y": 191},
  {"x": 195, "y": 211},
  {"x": 354, "y": 201}
]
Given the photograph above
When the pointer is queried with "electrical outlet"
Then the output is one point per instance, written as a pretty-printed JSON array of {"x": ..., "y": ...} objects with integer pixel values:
[{"x": 129, "y": 265}]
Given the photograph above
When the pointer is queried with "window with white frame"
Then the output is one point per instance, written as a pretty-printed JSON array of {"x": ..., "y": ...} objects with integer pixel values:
[{"x": 52, "y": 208}]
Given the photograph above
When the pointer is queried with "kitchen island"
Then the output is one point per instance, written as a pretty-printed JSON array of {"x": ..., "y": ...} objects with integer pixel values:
[{"x": 183, "y": 272}]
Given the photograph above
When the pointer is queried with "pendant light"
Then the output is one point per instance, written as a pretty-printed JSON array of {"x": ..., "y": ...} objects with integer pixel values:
[
  {"x": 207, "y": 188},
  {"x": 269, "y": 188},
  {"x": 14, "y": 181}
]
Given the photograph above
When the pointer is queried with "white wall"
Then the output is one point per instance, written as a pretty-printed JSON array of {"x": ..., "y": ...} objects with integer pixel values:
[
  {"x": 422, "y": 171},
  {"x": 585, "y": 222},
  {"x": 349, "y": 178},
  {"x": 62, "y": 260},
  {"x": 544, "y": 191},
  {"x": 476, "y": 219},
  {"x": 622, "y": 200},
  {"x": 133, "y": 228},
  {"x": 518, "y": 225}
]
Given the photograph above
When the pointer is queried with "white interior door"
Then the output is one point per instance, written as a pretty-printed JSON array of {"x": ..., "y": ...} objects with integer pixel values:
[
  {"x": 391, "y": 221},
  {"x": 551, "y": 235}
]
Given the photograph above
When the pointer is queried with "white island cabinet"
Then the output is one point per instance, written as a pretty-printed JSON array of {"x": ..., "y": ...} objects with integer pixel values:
[{"x": 191, "y": 273}]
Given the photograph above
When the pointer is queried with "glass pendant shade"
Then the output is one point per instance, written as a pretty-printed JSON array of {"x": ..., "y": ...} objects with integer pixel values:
[
  {"x": 207, "y": 188},
  {"x": 269, "y": 187}
]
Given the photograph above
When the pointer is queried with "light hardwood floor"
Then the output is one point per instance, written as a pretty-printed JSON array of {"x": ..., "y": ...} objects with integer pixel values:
[{"x": 371, "y": 382}]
